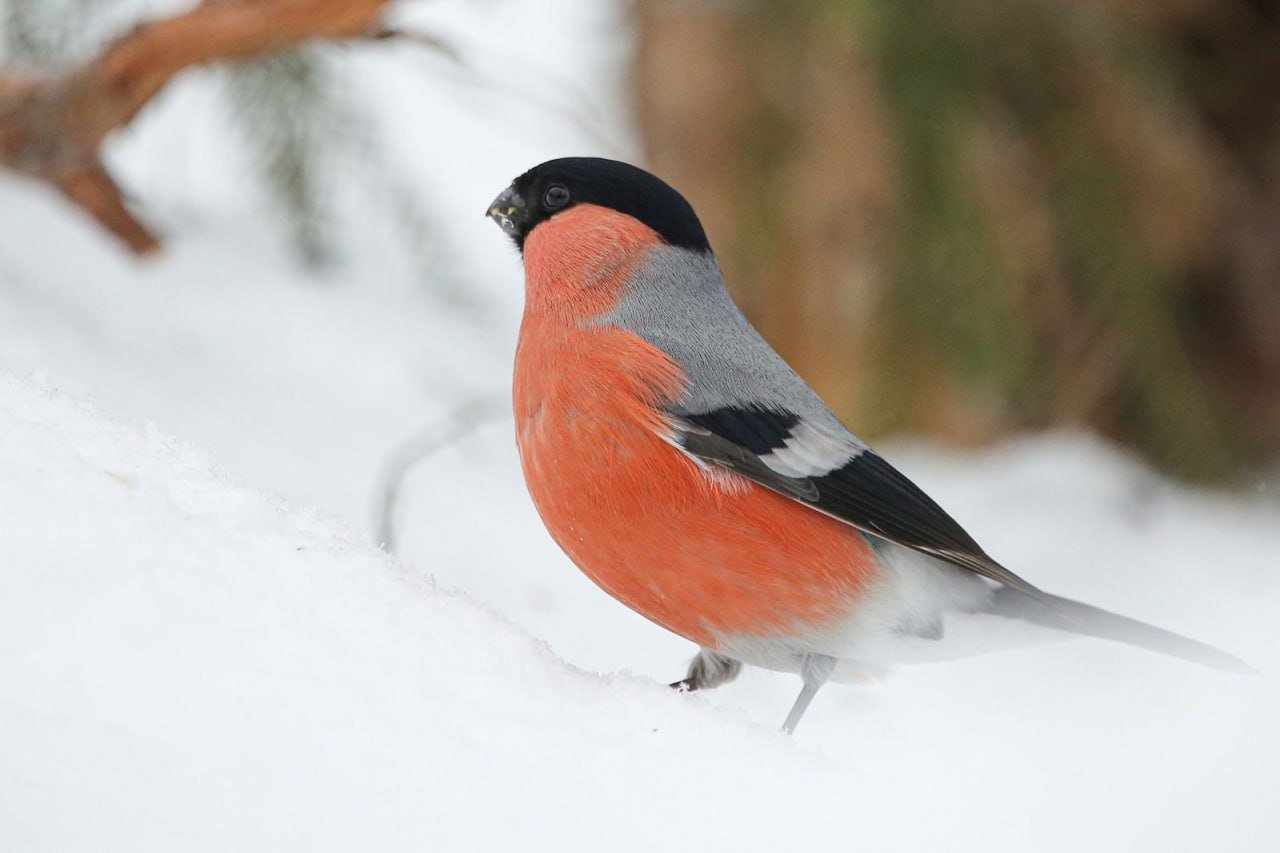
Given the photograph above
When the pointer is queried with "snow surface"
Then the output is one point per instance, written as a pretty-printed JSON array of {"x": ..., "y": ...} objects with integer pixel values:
[{"x": 201, "y": 655}]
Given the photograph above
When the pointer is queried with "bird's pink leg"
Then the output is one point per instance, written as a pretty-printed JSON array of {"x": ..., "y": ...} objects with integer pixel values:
[{"x": 815, "y": 672}]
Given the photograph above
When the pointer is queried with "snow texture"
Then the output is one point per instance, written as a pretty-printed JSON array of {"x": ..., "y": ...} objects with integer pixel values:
[{"x": 201, "y": 655}]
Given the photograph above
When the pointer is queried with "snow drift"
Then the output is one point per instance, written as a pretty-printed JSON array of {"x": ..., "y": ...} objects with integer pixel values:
[{"x": 189, "y": 664}]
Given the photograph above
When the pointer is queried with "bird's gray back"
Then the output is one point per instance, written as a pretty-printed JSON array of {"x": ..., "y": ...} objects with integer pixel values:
[{"x": 677, "y": 302}]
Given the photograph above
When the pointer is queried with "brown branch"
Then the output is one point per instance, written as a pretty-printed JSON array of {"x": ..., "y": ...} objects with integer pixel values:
[
  {"x": 94, "y": 190},
  {"x": 51, "y": 127}
]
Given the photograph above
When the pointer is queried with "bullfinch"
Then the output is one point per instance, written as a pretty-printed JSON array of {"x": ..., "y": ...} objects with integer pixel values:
[{"x": 695, "y": 477}]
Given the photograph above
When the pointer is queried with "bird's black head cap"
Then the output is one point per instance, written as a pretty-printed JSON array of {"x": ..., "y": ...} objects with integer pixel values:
[{"x": 557, "y": 185}]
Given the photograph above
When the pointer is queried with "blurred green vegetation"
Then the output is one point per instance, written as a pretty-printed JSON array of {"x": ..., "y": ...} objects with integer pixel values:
[{"x": 1073, "y": 208}]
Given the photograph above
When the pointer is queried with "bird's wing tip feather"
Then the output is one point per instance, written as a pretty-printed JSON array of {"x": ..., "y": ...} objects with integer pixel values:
[{"x": 1065, "y": 614}]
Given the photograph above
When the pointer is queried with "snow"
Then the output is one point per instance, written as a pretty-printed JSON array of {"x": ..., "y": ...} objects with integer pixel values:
[
  {"x": 201, "y": 648},
  {"x": 190, "y": 662}
]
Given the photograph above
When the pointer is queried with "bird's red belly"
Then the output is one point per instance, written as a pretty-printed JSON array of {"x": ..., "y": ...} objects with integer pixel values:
[{"x": 705, "y": 555}]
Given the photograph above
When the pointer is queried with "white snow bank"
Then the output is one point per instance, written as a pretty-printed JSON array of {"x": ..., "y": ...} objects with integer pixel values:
[{"x": 188, "y": 664}]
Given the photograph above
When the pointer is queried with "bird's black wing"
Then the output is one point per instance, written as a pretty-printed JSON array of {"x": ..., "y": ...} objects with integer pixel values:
[{"x": 836, "y": 475}]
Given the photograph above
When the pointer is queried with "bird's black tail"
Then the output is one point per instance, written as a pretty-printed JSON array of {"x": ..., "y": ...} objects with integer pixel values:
[{"x": 1074, "y": 617}]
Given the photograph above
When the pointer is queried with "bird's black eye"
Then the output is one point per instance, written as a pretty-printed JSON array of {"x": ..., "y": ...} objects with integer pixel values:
[{"x": 555, "y": 197}]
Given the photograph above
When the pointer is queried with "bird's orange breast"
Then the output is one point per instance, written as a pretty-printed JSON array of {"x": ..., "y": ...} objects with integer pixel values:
[{"x": 704, "y": 554}]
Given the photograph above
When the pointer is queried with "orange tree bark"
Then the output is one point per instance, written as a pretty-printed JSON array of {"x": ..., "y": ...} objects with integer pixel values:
[{"x": 52, "y": 126}]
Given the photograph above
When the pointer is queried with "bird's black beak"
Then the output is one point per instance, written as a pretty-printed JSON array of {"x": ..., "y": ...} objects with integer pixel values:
[{"x": 508, "y": 211}]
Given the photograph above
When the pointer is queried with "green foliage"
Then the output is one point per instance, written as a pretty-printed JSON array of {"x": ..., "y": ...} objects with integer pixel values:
[
  {"x": 308, "y": 141},
  {"x": 44, "y": 33},
  {"x": 285, "y": 108},
  {"x": 948, "y": 309},
  {"x": 1086, "y": 325}
]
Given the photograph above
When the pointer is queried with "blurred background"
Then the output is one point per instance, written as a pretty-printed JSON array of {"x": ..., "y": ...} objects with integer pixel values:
[
  {"x": 966, "y": 219},
  {"x": 960, "y": 221},
  {"x": 1031, "y": 249}
]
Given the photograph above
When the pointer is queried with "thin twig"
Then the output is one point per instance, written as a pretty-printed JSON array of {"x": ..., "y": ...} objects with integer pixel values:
[
  {"x": 431, "y": 41},
  {"x": 426, "y": 442}
]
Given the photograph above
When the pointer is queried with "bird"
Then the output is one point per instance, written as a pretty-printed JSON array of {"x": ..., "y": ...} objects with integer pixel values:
[{"x": 689, "y": 472}]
